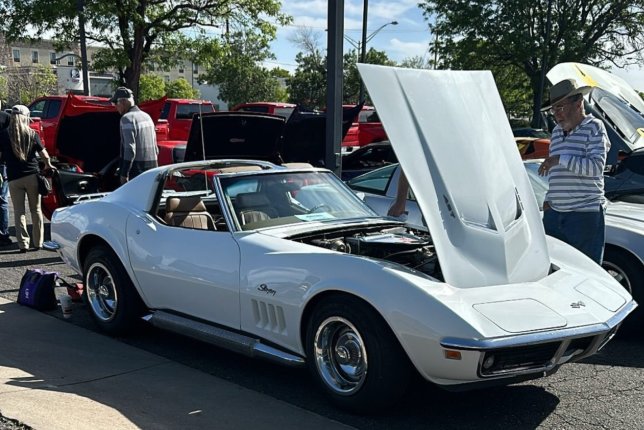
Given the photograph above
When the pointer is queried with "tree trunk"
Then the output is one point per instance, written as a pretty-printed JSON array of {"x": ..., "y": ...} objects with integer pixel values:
[{"x": 535, "y": 83}]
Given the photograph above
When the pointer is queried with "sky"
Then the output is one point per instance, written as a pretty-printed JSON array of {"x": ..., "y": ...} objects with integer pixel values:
[{"x": 411, "y": 37}]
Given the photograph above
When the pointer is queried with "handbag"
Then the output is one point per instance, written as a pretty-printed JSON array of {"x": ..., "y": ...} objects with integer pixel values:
[
  {"x": 44, "y": 186},
  {"x": 37, "y": 289}
]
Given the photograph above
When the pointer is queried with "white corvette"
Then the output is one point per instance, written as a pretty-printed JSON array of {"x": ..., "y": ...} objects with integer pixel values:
[{"x": 288, "y": 264}]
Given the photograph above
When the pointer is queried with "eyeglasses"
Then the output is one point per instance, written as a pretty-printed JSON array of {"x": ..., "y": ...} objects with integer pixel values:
[{"x": 558, "y": 109}]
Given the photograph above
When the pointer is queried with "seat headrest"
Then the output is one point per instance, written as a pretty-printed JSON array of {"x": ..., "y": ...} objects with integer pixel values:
[
  {"x": 250, "y": 200},
  {"x": 184, "y": 204}
]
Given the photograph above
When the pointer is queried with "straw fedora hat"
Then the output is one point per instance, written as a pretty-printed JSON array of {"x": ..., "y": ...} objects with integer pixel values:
[{"x": 562, "y": 90}]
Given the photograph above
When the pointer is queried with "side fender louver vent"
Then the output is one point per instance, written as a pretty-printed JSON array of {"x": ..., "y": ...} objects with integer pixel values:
[{"x": 269, "y": 317}]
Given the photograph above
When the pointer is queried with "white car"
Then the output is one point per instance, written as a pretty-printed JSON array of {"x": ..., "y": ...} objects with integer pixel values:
[
  {"x": 290, "y": 265},
  {"x": 623, "y": 253}
]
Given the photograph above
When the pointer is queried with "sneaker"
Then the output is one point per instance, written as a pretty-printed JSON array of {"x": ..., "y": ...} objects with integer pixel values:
[
  {"x": 23, "y": 250},
  {"x": 5, "y": 241}
]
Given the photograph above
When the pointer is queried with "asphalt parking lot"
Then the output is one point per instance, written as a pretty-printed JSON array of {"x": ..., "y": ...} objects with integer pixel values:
[{"x": 604, "y": 391}]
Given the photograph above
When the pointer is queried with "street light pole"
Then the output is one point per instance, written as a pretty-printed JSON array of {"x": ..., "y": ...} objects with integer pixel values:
[{"x": 362, "y": 46}]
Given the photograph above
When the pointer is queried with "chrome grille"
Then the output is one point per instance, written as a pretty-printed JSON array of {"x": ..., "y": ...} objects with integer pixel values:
[{"x": 509, "y": 360}]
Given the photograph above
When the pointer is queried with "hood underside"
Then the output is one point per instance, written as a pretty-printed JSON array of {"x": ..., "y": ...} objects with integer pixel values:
[
  {"x": 259, "y": 136},
  {"x": 89, "y": 131},
  {"x": 452, "y": 138}
]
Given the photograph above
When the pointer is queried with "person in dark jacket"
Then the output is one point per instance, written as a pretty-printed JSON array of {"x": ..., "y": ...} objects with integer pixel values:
[{"x": 19, "y": 145}]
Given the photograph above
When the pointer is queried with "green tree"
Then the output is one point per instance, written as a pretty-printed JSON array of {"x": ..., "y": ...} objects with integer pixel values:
[
  {"x": 151, "y": 87},
  {"x": 416, "y": 62},
  {"x": 132, "y": 29},
  {"x": 181, "y": 89},
  {"x": 236, "y": 68},
  {"x": 307, "y": 86},
  {"x": 4, "y": 91},
  {"x": 351, "y": 84},
  {"x": 514, "y": 33},
  {"x": 25, "y": 84},
  {"x": 280, "y": 73}
]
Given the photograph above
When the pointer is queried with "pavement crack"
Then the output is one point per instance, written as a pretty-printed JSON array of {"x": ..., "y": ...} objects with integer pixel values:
[{"x": 112, "y": 375}]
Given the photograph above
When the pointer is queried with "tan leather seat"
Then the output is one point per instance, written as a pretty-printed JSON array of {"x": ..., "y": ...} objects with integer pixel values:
[
  {"x": 253, "y": 207},
  {"x": 188, "y": 212}
]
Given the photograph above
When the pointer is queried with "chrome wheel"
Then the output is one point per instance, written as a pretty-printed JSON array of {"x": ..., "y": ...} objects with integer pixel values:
[
  {"x": 101, "y": 292},
  {"x": 340, "y": 355}
]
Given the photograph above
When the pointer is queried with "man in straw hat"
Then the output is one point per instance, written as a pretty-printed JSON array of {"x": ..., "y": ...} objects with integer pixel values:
[{"x": 575, "y": 202}]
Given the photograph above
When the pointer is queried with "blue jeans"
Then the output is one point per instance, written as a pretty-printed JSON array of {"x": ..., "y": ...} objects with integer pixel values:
[
  {"x": 4, "y": 203},
  {"x": 583, "y": 230}
]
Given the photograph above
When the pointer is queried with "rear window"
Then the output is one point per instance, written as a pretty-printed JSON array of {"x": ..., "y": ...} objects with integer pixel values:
[
  {"x": 262, "y": 109},
  {"x": 285, "y": 111},
  {"x": 187, "y": 111}
]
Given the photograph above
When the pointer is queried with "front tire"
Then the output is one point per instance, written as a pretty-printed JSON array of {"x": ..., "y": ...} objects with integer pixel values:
[
  {"x": 629, "y": 272},
  {"x": 354, "y": 356},
  {"x": 113, "y": 302}
]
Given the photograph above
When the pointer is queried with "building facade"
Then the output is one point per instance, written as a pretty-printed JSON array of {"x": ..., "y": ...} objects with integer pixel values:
[{"x": 20, "y": 59}]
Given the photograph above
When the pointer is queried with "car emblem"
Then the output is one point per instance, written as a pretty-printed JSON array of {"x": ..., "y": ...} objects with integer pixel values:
[
  {"x": 577, "y": 305},
  {"x": 264, "y": 288}
]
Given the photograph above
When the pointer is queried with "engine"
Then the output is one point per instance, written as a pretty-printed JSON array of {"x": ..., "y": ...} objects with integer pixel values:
[{"x": 399, "y": 244}]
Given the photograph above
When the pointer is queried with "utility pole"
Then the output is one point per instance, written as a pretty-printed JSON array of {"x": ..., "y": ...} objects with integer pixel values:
[
  {"x": 80, "y": 4},
  {"x": 333, "y": 137},
  {"x": 363, "y": 53}
]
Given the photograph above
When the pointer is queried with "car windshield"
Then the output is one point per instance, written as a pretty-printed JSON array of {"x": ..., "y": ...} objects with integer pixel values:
[
  {"x": 539, "y": 183},
  {"x": 263, "y": 200}
]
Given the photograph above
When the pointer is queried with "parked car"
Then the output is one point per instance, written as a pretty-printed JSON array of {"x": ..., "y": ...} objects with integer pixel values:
[
  {"x": 179, "y": 113},
  {"x": 366, "y": 158},
  {"x": 290, "y": 265},
  {"x": 366, "y": 129},
  {"x": 613, "y": 101},
  {"x": 624, "y": 252}
]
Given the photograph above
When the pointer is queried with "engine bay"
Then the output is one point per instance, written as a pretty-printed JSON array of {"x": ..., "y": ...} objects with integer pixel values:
[{"x": 399, "y": 244}]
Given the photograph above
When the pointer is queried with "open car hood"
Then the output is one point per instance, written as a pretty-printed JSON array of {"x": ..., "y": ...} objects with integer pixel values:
[
  {"x": 592, "y": 76},
  {"x": 612, "y": 100},
  {"x": 259, "y": 136},
  {"x": 453, "y": 140},
  {"x": 89, "y": 131}
]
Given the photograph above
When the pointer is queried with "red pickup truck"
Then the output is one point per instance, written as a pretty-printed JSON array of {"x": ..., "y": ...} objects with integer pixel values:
[
  {"x": 49, "y": 109},
  {"x": 366, "y": 129},
  {"x": 172, "y": 117},
  {"x": 179, "y": 112}
]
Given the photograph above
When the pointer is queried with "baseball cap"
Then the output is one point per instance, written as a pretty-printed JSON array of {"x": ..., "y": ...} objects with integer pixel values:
[{"x": 121, "y": 93}]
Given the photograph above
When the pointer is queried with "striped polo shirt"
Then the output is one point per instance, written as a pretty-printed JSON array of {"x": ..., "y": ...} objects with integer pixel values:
[
  {"x": 577, "y": 182},
  {"x": 138, "y": 143}
]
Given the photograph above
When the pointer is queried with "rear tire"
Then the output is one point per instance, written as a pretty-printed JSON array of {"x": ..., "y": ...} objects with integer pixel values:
[
  {"x": 354, "y": 356},
  {"x": 112, "y": 301},
  {"x": 629, "y": 272}
]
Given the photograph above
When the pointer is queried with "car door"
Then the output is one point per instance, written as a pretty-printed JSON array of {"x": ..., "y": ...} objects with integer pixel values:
[{"x": 190, "y": 271}]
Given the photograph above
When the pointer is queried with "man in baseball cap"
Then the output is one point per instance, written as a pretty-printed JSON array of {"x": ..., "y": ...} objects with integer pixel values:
[{"x": 138, "y": 136}]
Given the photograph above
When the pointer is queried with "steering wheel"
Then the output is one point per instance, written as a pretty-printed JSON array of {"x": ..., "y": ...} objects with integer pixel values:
[{"x": 320, "y": 206}]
